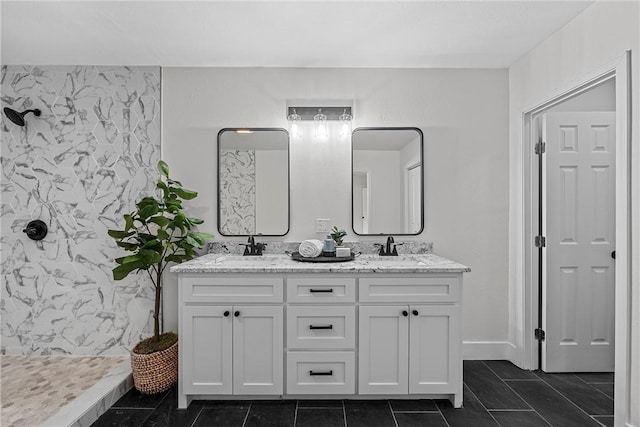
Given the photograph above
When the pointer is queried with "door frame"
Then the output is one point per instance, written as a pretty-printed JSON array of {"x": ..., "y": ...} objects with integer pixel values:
[{"x": 527, "y": 304}]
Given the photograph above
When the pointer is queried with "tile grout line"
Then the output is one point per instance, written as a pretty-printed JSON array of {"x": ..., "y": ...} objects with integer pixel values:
[
  {"x": 247, "y": 414},
  {"x": 197, "y": 416},
  {"x": 440, "y": 410},
  {"x": 572, "y": 402},
  {"x": 592, "y": 385},
  {"x": 344, "y": 413},
  {"x": 393, "y": 415},
  {"x": 517, "y": 394},
  {"x": 295, "y": 413},
  {"x": 482, "y": 404}
]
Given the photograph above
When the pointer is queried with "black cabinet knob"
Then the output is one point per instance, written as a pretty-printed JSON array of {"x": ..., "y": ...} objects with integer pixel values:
[
  {"x": 613, "y": 254},
  {"x": 415, "y": 312},
  {"x": 226, "y": 313},
  {"x": 405, "y": 313},
  {"x": 237, "y": 313}
]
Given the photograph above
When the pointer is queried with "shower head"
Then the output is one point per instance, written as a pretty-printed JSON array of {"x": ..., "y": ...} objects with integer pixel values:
[{"x": 18, "y": 118}]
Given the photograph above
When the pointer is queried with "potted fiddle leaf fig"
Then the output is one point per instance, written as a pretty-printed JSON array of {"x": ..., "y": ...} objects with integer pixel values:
[{"x": 156, "y": 234}]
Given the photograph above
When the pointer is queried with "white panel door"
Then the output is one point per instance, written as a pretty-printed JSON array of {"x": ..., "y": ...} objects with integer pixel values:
[
  {"x": 383, "y": 352},
  {"x": 258, "y": 349},
  {"x": 434, "y": 354},
  {"x": 207, "y": 350},
  {"x": 578, "y": 222}
]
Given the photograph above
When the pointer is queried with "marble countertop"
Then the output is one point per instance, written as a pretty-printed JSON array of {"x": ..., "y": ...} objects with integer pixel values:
[{"x": 272, "y": 263}]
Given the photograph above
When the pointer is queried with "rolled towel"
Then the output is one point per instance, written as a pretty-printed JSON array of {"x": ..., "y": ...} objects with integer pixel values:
[{"x": 311, "y": 248}]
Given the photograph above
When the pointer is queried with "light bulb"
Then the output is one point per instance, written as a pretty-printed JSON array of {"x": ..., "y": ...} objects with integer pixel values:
[
  {"x": 345, "y": 123},
  {"x": 295, "y": 118},
  {"x": 322, "y": 132}
]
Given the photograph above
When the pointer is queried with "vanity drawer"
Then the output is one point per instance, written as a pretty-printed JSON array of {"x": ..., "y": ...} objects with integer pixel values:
[
  {"x": 321, "y": 289},
  {"x": 232, "y": 289},
  {"x": 409, "y": 290},
  {"x": 310, "y": 372},
  {"x": 321, "y": 327}
]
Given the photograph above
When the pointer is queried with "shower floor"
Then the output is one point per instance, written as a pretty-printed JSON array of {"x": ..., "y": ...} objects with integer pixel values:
[{"x": 60, "y": 390}]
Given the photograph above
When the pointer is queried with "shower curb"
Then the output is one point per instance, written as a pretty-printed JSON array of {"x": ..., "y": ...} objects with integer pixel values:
[{"x": 95, "y": 401}]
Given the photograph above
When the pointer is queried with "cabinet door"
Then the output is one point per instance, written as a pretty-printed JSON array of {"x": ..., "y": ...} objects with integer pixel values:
[
  {"x": 258, "y": 350},
  {"x": 434, "y": 353},
  {"x": 384, "y": 346},
  {"x": 206, "y": 356}
]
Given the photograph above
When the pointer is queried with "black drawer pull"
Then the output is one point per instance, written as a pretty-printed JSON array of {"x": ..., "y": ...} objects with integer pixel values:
[
  {"x": 415, "y": 312},
  {"x": 313, "y": 374},
  {"x": 226, "y": 313},
  {"x": 405, "y": 313},
  {"x": 237, "y": 313},
  {"x": 319, "y": 291},
  {"x": 321, "y": 327}
]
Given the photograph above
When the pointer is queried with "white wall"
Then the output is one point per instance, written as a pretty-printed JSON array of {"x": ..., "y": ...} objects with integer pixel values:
[
  {"x": 464, "y": 117},
  {"x": 592, "y": 41},
  {"x": 271, "y": 194}
]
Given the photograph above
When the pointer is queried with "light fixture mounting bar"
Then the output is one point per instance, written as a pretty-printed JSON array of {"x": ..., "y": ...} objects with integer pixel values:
[{"x": 307, "y": 113}]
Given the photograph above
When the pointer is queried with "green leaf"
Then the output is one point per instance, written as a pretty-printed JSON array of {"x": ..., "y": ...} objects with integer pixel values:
[
  {"x": 177, "y": 258},
  {"x": 118, "y": 234},
  {"x": 128, "y": 222},
  {"x": 123, "y": 270},
  {"x": 145, "y": 237},
  {"x": 150, "y": 257},
  {"x": 191, "y": 241},
  {"x": 149, "y": 210},
  {"x": 196, "y": 221},
  {"x": 127, "y": 246},
  {"x": 146, "y": 201},
  {"x": 163, "y": 167},
  {"x": 184, "y": 193},
  {"x": 162, "y": 235},
  {"x": 160, "y": 220},
  {"x": 131, "y": 258},
  {"x": 163, "y": 186},
  {"x": 153, "y": 244}
]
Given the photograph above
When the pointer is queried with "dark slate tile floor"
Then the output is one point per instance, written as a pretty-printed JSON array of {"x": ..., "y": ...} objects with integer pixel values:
[{"x": 496, "y": 393}]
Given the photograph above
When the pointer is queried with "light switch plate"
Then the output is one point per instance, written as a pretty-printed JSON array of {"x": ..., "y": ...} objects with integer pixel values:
[{"x": 323, "y": 225}]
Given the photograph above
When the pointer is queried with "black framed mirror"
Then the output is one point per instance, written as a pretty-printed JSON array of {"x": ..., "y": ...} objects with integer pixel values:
[
  {"x": 253, "y": 181},
  {"x": 387, "y": 181}
]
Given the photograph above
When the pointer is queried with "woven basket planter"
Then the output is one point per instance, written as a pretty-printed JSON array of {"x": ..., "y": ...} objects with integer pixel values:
[{"x": 155, "y": 372}]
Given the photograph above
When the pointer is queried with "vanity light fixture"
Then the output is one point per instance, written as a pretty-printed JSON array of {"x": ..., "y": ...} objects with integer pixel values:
[
  {"x": 321, "y": 116},
  {"x": 244, "y": 131}
]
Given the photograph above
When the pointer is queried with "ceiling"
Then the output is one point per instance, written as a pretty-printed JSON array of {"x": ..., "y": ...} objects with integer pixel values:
[{"x": 264, "y": 33}]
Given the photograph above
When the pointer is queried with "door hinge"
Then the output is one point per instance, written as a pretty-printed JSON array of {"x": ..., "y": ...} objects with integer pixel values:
[
  {"x": 540, "y": 241},
  {"x": 539, "y": 334},
  {"x": 541, "y": 147}
]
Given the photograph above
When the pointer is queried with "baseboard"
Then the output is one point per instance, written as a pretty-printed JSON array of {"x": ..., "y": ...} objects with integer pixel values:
[{"x": 488, "y": 350}]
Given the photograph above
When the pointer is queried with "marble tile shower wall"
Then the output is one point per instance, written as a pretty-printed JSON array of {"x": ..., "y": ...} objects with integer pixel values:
[{"x": 78, "y": 167}]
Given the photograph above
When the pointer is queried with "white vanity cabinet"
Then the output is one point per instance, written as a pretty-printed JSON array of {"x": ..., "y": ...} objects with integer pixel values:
[
  {"x": 293, "y": 334},
  {"x": 413, "y": 348},
  {"x": 230, "y": 348}
]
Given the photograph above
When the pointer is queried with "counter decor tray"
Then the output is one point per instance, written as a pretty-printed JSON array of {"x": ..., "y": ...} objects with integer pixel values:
[{"x": 297, "y": 257}]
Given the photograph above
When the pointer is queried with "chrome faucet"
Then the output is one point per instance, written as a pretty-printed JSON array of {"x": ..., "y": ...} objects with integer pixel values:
[{"x": 253, "y": 248}]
